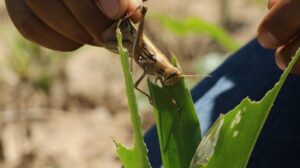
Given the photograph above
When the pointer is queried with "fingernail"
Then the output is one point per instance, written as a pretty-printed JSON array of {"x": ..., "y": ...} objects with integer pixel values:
[
  {"x": 267, "y": 40},
  {"x": 137, "y": 3},
  {"x": 281, "y": 60},
  {"x": 110, "y": 7}
]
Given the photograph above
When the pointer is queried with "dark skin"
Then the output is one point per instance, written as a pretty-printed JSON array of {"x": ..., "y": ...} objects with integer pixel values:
[
  {"x": 66, "y": 25},
  {"x": 280, "y": 30}
]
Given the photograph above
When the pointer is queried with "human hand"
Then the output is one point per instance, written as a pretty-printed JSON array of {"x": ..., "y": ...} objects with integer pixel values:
[
  {"x": 66, "y": 25},
  {"x": 280, "y": 30}
]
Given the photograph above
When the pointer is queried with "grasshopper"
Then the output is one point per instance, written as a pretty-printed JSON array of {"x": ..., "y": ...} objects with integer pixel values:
[{"x": 142, "y": 51}]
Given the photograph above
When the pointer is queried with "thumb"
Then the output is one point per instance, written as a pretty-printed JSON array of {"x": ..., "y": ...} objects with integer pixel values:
[{"x": 113, "y": 9}]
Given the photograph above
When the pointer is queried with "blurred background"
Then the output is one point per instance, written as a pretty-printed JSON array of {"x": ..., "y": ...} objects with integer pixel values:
[{"x": 63, "y": 110}]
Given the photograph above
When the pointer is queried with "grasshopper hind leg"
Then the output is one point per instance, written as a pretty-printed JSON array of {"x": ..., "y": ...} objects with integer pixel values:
[{"x": 138, "y": 43}]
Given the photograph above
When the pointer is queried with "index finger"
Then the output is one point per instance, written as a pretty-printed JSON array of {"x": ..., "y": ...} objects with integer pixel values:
[
  {"x": 56, "y": 15},
  {"x": 90, "y": 17},
  {"x": 33, "y": 29},
  {"x": 281, "y": 25}
]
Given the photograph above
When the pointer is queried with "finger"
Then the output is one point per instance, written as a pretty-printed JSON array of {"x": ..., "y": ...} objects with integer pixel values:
[
  {"x": 134, "y": 4},
  {"x": 35, "y": 30},
  {"x": 90, "y": 16},
  {"x": 113, "y": 9},
  {"x": 271, "y": 3},
  {"x": 55, "y": 14},
  {"x": 284, "y": 55},
  {"x": 281, "y": 24}
]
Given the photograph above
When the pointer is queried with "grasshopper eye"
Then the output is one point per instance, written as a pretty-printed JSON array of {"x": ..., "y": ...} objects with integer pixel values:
[
  {"x": 173, "y": 75},
  {"x": 171, "y": 78}
]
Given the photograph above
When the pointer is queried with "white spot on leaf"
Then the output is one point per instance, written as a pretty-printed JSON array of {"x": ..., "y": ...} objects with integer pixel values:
[
  {"x": 235, "y": 134},
  {"x": 207, "y": 146},
  {"x": 236, "y": 120}
]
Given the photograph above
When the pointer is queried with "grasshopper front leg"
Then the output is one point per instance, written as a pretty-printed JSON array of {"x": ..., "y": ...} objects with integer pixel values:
[{"x": 140, "y": 90}]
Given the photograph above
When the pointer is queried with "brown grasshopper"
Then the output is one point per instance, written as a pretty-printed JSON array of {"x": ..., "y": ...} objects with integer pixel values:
[{"x": 145, "y": 54}]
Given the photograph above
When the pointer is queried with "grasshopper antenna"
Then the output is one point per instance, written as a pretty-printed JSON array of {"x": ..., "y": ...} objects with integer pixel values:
[{"x": 206, "y": 76}]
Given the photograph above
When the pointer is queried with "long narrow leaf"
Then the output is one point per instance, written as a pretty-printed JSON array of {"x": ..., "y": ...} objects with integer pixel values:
[
  {"x": 231, "y": 140},
  {"x": 196, "y": 25},
  {"x": 177, "y": 124},
  {"x": 135, "y": 157}
]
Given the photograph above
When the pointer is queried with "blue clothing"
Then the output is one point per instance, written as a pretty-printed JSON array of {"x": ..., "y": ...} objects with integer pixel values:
[{"x": 251, "y": 72}]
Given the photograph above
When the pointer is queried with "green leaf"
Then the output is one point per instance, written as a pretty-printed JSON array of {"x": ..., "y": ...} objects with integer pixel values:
[
  {"x": 177, "y": 123},
  {"x": 135, "y": 157},
  {"x": 196, "y": 25},
  {"x": 231, "y": 140}
]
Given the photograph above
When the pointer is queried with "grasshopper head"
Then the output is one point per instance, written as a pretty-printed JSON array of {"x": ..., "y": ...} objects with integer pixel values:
[{"x": 171, "y": 76}]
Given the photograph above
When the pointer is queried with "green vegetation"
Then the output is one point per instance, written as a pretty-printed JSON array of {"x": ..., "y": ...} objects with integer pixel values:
[
  {"x": 135, "y": 157},
  {"x": 198, "y": 26},
  {"x": 232, "y": 138},
  {"x": 229, "y": 142},
  {"x": 177, "y": 124}
]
